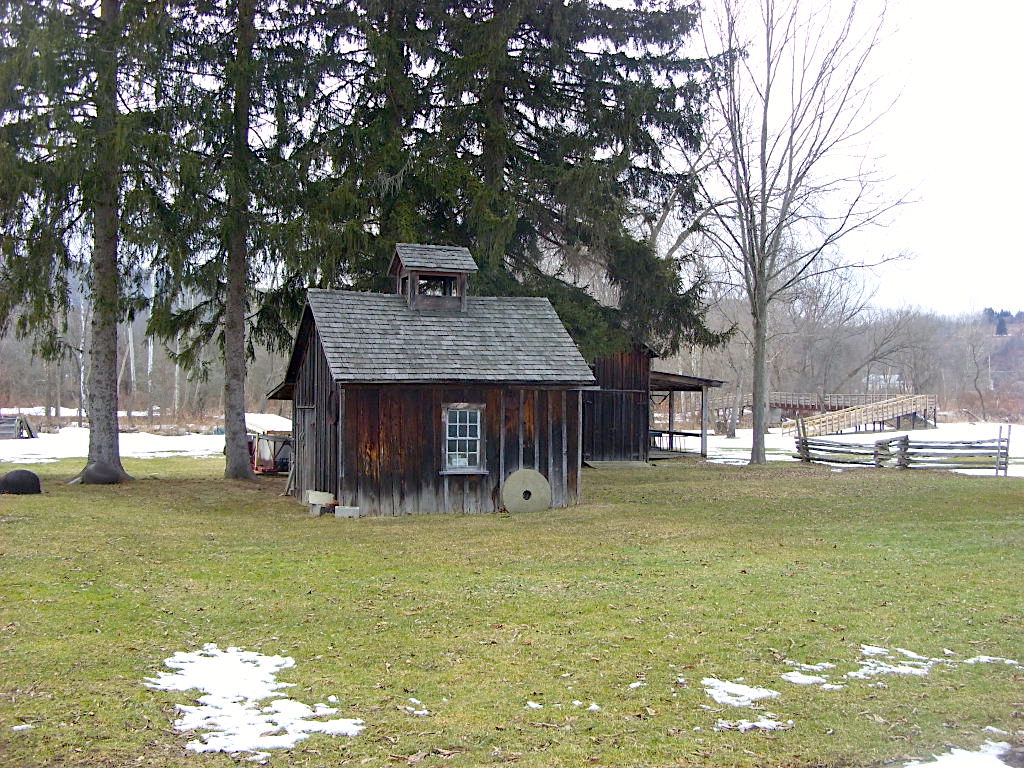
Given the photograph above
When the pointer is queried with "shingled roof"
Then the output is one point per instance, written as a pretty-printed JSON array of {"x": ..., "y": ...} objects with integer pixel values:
[
  {"x": 442, "y": 258},
  {"x": 376, "y": 338}
]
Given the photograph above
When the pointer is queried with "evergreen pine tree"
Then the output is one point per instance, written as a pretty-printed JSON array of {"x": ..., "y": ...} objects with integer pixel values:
[
  {"x": 241, "y": 235},
  {"x": 531, "y": 132},
  {"x": 73, "y": 154}
]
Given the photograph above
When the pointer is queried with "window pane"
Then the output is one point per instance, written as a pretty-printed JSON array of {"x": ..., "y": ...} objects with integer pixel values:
[{"x": 464, "y": 443}]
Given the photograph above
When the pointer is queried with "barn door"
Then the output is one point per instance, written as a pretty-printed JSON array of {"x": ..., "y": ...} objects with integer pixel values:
[{"x": 302, "y": 454}]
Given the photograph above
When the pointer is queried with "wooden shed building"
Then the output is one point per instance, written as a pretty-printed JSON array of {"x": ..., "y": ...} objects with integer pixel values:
[
  {"x": 617, "y": 424},
  {"x": 429, "y": 400}
]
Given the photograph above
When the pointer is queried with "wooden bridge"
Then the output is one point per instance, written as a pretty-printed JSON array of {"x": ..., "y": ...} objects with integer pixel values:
[
  {"x": 919, "y": 409},
  {"x": 798, "y": 403},
  {"x": 15, "y": 427}
]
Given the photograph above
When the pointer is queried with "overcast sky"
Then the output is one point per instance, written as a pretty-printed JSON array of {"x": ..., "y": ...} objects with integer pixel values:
[{"x": 954, "y": 141}]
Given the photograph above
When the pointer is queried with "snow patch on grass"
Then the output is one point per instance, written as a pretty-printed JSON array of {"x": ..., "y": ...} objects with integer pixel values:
[
  {"x": 985, "y": 757},
  {"x": 873, "y": 667},
  {"x": 992, "y": 660},
  {"x": 766, "y": 723},
  {"x": 874, "y": 650},
  {"x": 819, "y": 667},
  {"x": 876, "y": 661},
  {"x": 799, "y": 678},
  {"x": 229, "y": 714},
  {"x": 735, "y": 694},
  {"x": 416, "y": 709}
]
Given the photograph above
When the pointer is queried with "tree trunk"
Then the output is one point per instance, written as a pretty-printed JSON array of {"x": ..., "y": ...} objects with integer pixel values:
[
  {"x": 759, "y": 386},
  {"x": 977, "y": 389},
  {"x": 238, "y": 464},
  {"x": 149, "y": 357},
  {"x": 102, "y": 389},
  {"x": 176, "y": 408},
  {"x": 494, "y": 236},
  {"x": 737, "y": 406},
  {"x": 130, "y": 410},
  {"x": 48, "y": 397},
  {"x": 58, "y": 378},
  {"x": 398, "y": 110},
  {"x": 83, "y": 342},
  {"x": 149, "y": 378}
]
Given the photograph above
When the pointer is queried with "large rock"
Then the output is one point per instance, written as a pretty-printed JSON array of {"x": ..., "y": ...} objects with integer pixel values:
[
  {"x": 20, "y": 481},
  {"x": 100, "y": 473}
]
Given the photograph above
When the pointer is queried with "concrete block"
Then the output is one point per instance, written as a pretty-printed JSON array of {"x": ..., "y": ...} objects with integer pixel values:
[{"x": 319, "y": 497}]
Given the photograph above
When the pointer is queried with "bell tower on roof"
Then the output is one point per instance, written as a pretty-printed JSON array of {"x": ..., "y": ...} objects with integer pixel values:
[{"x": 432, "y": 276}]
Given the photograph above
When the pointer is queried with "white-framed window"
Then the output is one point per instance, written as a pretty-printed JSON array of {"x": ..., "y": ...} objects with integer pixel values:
[{"x": 463, "y": 437}]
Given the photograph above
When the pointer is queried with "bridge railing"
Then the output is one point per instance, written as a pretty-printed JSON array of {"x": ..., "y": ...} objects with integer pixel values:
[
  {"x": 807, "y": 401},
  {"x": 873, "y": 413},
  {"x": 839, "y": 401}
]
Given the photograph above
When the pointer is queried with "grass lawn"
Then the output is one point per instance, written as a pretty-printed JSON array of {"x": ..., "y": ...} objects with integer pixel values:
[{"x": 684, "y": 570}]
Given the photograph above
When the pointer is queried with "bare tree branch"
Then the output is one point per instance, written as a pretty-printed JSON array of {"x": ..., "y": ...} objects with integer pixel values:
[{"x": 787, "y": 184}]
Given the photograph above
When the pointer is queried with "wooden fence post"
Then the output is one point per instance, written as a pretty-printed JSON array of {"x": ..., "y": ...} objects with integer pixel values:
[
  {"x": 801, "y": 440},
  {"x": 1003, "y": 451},
  {"x": 903, "y": 452},
  {"x": 881, "y": 453}
]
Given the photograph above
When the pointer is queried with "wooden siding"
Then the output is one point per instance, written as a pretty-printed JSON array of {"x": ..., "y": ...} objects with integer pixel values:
[
  {"x": 616, "y": 418},
  {"x": 392, "y": 446},
  {"x": 315, "y": 419}
]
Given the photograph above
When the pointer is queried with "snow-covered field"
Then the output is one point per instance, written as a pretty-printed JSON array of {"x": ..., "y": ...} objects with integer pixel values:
[
  {"x": 73, "y": 442},
  {"x": 38, "y": 412},
  {"x": 780, "y": 447}
]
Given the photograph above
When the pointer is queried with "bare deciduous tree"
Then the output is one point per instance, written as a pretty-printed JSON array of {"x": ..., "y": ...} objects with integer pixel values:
[{"x": 787, "y": 187}]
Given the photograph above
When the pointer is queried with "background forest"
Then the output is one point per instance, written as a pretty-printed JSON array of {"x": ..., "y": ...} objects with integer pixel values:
[
  {"x": 974, "y": 363},
  {"x": 177, "y": 172}
]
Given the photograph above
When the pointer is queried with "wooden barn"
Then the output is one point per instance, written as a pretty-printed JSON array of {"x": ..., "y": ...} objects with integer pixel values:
[
  {"x": 429, "y": 400},
  {"x": 617, "y": 422}
]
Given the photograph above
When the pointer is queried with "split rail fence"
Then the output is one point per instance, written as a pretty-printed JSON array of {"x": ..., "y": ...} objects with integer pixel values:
[{"x": 905, "y": 453}]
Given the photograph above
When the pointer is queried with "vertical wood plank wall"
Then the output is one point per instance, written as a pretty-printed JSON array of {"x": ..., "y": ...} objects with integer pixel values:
[
  {"x": 316, "y": 414},
  {"x": 392, "y": 445},
  {"x": 616, "y": 418}
]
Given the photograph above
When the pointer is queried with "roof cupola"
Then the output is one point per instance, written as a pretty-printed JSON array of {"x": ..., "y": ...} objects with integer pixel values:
[{"x": 432, "y": 276}]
